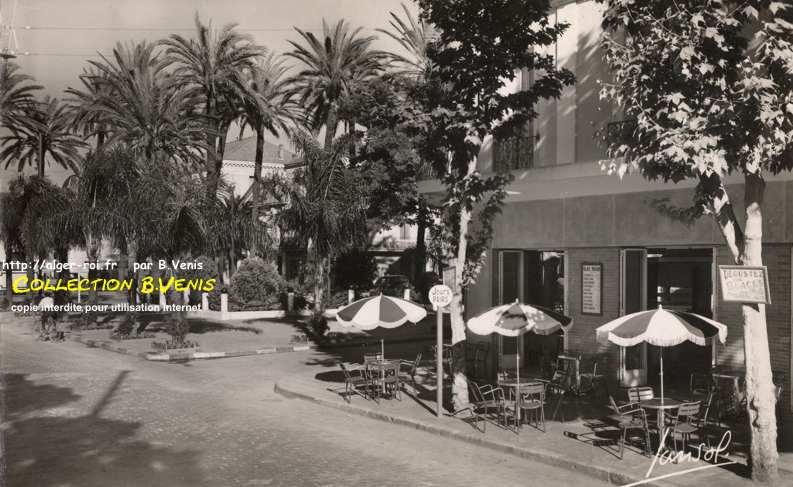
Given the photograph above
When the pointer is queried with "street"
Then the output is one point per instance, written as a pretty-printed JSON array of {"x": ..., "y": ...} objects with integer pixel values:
[{"x": 76, "y": 416}]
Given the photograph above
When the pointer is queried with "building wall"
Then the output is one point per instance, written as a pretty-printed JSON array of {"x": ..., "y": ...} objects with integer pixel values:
[{"x": 581, "y": 337}]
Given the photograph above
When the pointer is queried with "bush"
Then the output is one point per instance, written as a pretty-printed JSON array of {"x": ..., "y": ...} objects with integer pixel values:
[
  {"x": 256, "y": 280},
  {"x": 318, "y": 324}
]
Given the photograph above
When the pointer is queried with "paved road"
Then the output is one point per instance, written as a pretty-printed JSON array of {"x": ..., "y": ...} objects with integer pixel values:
[{"x": 84, "y": 417}]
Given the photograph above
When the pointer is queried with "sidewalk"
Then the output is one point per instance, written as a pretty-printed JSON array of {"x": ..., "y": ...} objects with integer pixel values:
[{"x": 560, "y": 445}]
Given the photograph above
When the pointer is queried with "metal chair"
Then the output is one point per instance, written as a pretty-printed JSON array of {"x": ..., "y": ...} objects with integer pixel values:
[
  {"x": 630, "y": 417},
  {"x": 699, "y": 385},
  {"x": 484, "y": 398},
  {"x": 687, "y": 421},
  {"x": 411, "y": 372},
  {"x": 390, "y": 378},
  {"x": 639, "y": 394},
  {"x": 359, "y": 384},
  {"x": 529, "y": 398}
]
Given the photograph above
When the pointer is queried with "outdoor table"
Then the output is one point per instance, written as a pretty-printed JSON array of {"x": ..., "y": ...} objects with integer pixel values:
[
  {"x": 380, "y": 365},
  {"x": 660, "y": 406}
]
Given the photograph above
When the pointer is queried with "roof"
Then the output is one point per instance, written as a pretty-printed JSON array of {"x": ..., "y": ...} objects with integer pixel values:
[{"x": 245, "y": 150}]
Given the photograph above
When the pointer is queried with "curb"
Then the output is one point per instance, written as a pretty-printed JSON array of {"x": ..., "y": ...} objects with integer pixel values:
[
  {"x": 603, "y": 474},
  {"x": 174, "y": 357}
]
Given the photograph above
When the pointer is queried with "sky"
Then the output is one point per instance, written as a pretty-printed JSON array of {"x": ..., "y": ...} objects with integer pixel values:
[
  {"x": 60, "y": 35},
  {"x": 56, "y": 38}
]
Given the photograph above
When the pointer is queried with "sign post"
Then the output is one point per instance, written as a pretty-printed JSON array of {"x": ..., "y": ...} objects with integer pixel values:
[{"x": 440, "y": 296}]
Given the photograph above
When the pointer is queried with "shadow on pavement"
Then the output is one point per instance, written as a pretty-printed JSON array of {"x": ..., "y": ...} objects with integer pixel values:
[{"x": 46, "y": 446}]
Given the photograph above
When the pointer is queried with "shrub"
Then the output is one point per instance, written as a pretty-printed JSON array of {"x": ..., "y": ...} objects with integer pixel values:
[
  {"x": 318, "y": 324},
  {"x": 255, "y": 280}
]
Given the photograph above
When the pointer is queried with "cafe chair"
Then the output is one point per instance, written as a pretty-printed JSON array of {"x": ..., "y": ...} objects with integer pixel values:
[
  {"x": 356, "y": 384},
  {"x": 687, "y": 422},
  {"x": 530, "y": 400},
  {"x": 407, "y": 370},
  {"x": 484, "y": 399},
  {"x": 699, "y": 385},
  {"x": 629, "y": 417},
  {"x": 639, "y": 394}
]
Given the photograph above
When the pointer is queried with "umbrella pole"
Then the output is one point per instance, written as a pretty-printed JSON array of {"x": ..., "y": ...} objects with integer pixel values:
[
  {"x": 662, "y": 374},
  {"x": 382, "y": 369}
]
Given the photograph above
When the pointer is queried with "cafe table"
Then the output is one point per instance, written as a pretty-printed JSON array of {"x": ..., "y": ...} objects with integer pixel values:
[
  {"x": 380, "y": 365},
  {"x": 660, "y": 406}
]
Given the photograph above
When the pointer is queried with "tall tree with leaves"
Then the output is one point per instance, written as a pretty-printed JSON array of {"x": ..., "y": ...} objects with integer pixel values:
[
  {"x": 476, "y": 51},
  {"x": 16, "y": 92},
  {"x": 268, "y": 108},
  {"x": 211, "y": 68},
  {"x": 414, "y": 69},
  {"x": 41, "y": 129},
  {"x": 134, "y": 102},
  {"x": 331, "y": 69},
  {"x": 326, "y": 208},
  {"x": 708, "y": 90}
]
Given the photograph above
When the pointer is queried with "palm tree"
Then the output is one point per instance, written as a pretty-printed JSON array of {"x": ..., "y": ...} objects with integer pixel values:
[
  {"x": 16, "y": 92},
  {"x": 87, "y": 119},
  {"x": 333, "y": 66},
  {"x": 40, "y": 129},
  {"x": 232, "y": 232},
  {"x": 134, "y": 102},
  {"x": 326, "y": 208},
  {"x": 414, "y": 36},
  {"x": 270, "y": 109},
  {"x": 210, "y": 68}
]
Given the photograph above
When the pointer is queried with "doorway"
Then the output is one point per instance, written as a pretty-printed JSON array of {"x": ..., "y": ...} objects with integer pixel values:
[
  {"x": 532, "y": 277},
  {"x": 680, "y": 280},
  {"x": 633, "y": 298}
]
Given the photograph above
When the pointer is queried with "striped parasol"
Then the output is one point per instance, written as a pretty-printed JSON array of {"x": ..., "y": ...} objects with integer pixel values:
[
  {"x": 380, "y": 311},
  {"x": 662, "y": 328},
  {"x": 515, "y": 319}
]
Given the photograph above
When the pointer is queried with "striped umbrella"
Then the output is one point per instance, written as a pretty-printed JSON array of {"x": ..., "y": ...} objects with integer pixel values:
[
  {"x": 383, "y": 311},
  {"x": 662, "y": 328},
  {"x": 516, "y": 319}
]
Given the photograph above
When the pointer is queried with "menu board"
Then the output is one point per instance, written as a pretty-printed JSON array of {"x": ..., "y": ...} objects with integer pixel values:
[
  {"x": 744, "y": 284},
  {"x": 592, "y": 289}
]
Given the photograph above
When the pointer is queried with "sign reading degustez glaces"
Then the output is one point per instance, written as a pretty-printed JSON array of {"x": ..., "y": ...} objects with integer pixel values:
[{"x": 744, "y": 284}]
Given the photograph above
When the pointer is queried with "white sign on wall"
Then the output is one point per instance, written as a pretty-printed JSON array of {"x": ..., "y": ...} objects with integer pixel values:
[{"x": 592, "y": 289}]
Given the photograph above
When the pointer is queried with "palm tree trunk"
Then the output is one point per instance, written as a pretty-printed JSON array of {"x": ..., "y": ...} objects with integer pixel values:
[
  {"x": 41, "y": 156},
  {"x": 257, "y": 179},
  {"x": 9, "y": 275},
  {"x": 211, "y": 139},
  {"x": 331, "y": 121}
]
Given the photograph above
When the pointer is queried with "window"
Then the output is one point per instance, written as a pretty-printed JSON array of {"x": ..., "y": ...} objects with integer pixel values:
[{"x": 515, "y": 152}]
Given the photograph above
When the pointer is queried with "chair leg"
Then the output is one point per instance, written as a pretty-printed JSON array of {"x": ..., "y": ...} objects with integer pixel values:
[{"x": 622, "y": 441}]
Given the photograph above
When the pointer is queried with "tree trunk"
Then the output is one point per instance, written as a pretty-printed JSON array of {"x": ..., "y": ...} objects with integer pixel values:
[
  {"x": 420, "y": 260},
  {"x": 746, "y": 249},
  {"x": 460, "y": 381},
  {"x": 330, "y": 127},
  {"x": 211, "y": 139},
  {"x": 41, "y": 156},
  {"x": 9, "y": 297},
  {"x": 257, "y": 182}
]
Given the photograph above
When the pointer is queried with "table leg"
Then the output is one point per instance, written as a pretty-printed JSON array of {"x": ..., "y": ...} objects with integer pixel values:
[{"x": 661, "y": 428}]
